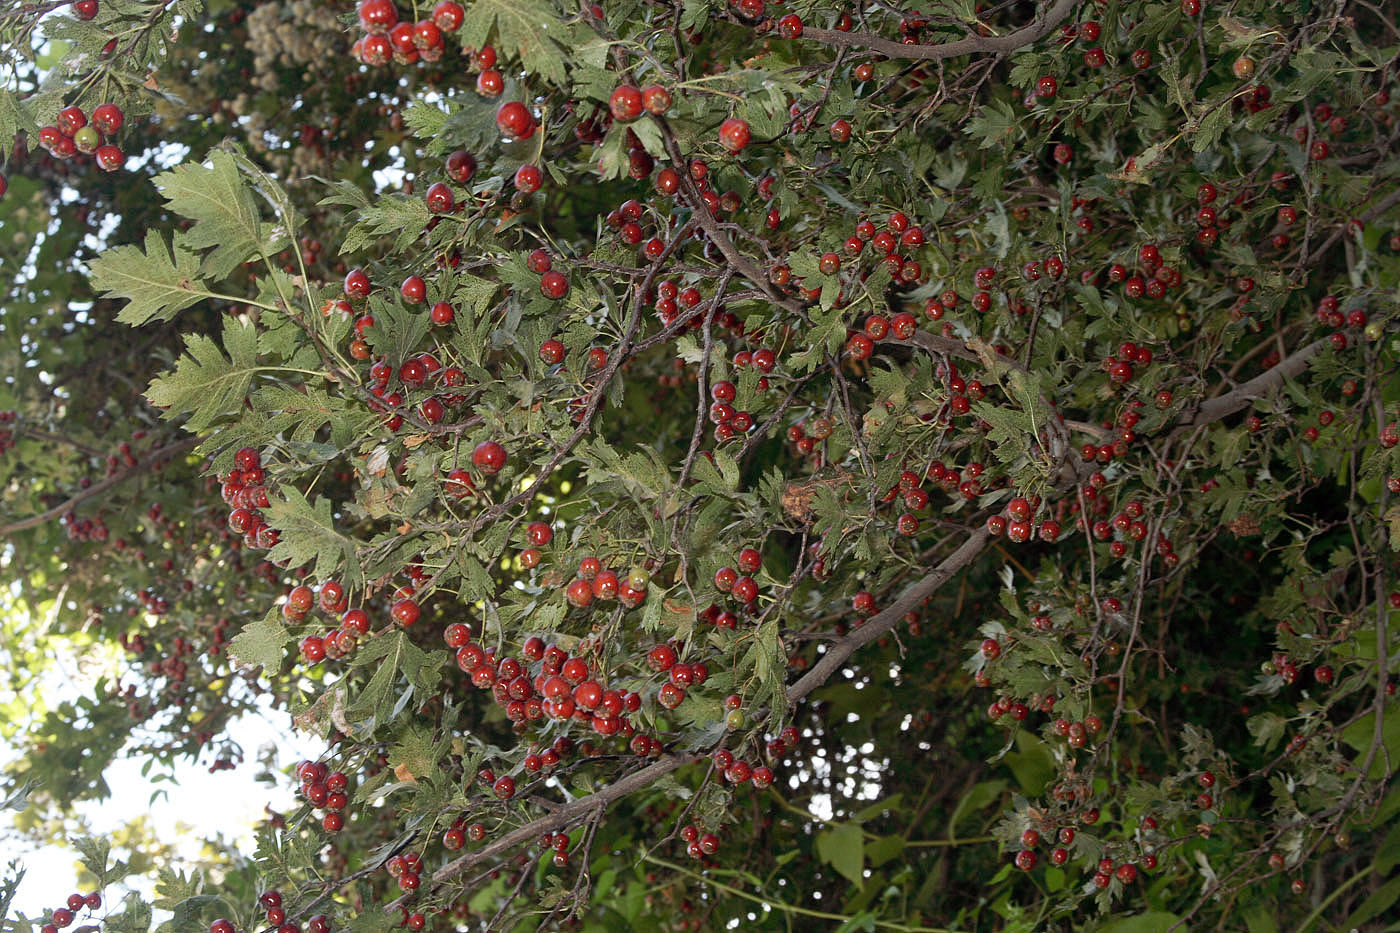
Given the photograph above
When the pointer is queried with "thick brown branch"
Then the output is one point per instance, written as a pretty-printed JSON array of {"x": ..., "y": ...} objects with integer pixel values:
[
  {"x": 838, "y": 651},
  {"x": 972, "y": 45},
  {"x": 1261, "y": 385},
  {"x": 96, "y": 489}
]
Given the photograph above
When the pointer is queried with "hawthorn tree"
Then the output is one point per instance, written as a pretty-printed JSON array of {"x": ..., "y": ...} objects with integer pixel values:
[{"x": 694, "y": 467}]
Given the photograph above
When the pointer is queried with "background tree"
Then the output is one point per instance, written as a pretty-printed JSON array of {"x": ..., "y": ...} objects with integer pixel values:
[{"x": 704, "y": 467}]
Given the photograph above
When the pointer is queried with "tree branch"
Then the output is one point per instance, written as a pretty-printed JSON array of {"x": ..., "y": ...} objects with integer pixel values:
[{"x": 96, "y": 489}]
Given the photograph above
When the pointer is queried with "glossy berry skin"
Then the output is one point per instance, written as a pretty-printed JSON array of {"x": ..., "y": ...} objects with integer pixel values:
[
  {"x": 539, "y": 533},
  {"x": 554, "y": 284},
  {"x": 405, "y": 612},
  {"x": 109, "y": 158},
  {"x": 489, "y": 457},
  {"x": 442, "y": 314},
  {"x": 220, "y": 926},
  {"x": 107, "y": 118},
  {"x": 734, "y": 135},
  {"x": 656, "y": 99},
  {"x": 515, "y": 120},
  {"x": 580, "y": 593},
  {"x": 528, "y": 179},
  {"x": 626, "y": 103},
  {"x": 790, "y": 26},
  {"x": 448, "y": 15},
  {"x": 439, "y": 199},
  {"x": 460, "y": 166},
  {"x": 552, "y": 352},
  {"x": 414, "y": 289},
  {"x": 356, "y": 284}
]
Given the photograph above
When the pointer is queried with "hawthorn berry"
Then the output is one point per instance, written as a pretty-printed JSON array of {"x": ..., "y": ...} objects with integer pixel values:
[
  {"x": 734, "y": 135},
  {"x": 515, "y": 120}
]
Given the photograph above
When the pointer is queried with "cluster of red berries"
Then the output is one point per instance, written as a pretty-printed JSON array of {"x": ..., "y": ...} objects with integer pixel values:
[
  {"x": 860, "y": 344},
  {"x": 806, "y": 436},
  {"x": 63, "y": 917},
  {"x": 1015, "y": 521},
  {"x": 244, "y": 492},
  {"x": 7, "y": 433},
  {"x": 664, "y": 659},
  {"x": 697, "y": 844},
  {"x": 743, "y": 588},
  {"x": 342, "y": 640},
  {"x": 1126, "y": 524},
  {"x": 594, "y": 581},
  {"x": 1329, "y": 314},
  {"x": 733, "y": 770},
  {"x": 324, "y": 790},
  {"x": 556, "y": 846},
  {"x": 729, "y": 424},
  {"x": 406, "y": 867},
  {"x": 387, "y": 39},
  {"x": 73, "y": 132},
  {"x": 563, "y": 688}
]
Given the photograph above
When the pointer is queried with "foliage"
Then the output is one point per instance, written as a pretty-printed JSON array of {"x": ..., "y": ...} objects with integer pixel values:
[{"x": 959, "y": 495}]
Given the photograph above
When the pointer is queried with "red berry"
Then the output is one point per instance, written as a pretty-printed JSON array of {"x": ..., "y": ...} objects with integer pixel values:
[
  {"x": 439, "y": 199},
  {"x": 626, "y": 103},
  {"x": 405, "y": 612},
  {"x": 414, "y": 289},
  {"x": 528, "y": 179},
  {"x": 734, "y": 134},
  {"x": 356, "y": 284},
  {"x": 554, "y": 284},
  {"x": 489, "y": 457},
  {"x": 515, "y": 120},
  {"x": 656, "y": 99},
  {"x": 552, "y": 352}
]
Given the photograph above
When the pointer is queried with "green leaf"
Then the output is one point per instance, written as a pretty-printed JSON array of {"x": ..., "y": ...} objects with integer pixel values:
[
  {"x": 391, "y": 654},
  {"x": 134, "y": 918},
  {"x": 261, "y": 643},
  {"x": 1374, "y": 906},
  {"x": 472, "y": 294},
  {"x": 1361, "y": 733},
  {"x": 843, "y": 848},
  {"x": 1209, "y": 128},
  {"x": 308, "y": 534},
  {"x": 156, "y": 285},
  {"x": 885, "y": 849},
  {"x": 978, "y": 798},
  {"x": 1154, "y": 921},
  {"x": 416, "y": 751},
  {"x": 994, "y": 126},
  {"x": 205, "y": 383},
  {"x": 396, "y": 330},
  {"x": 528, "y": 29},
  {"x": 397, "y": 214},
  {"x": 219, "y": 201}
]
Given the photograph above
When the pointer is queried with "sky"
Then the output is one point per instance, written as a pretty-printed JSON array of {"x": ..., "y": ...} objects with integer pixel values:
[{"x": 183, "y": 817}]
